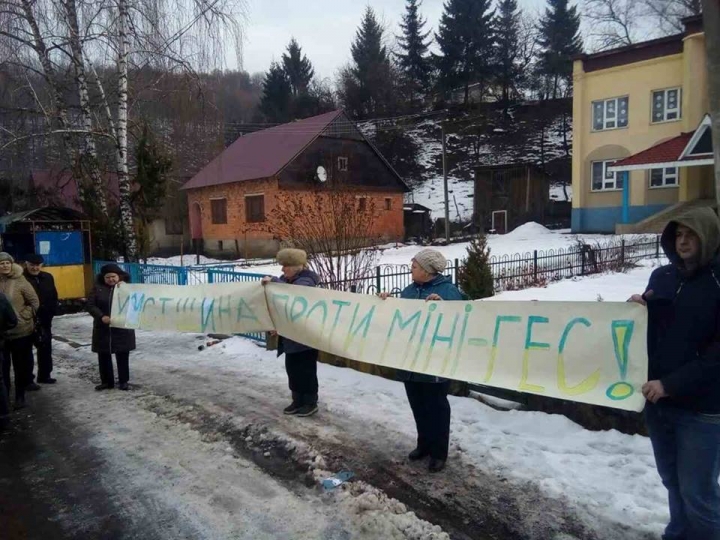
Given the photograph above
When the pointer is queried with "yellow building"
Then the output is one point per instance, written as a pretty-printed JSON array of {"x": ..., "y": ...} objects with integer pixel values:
[{"x": 641, "y": 136}]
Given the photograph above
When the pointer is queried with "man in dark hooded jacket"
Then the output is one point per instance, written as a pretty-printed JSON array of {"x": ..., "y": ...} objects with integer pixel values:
[{"x": 683, "y": 388}]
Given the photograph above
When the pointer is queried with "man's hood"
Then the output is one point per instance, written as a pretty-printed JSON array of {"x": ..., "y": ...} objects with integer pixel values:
[{"x": 704, "y": 222}]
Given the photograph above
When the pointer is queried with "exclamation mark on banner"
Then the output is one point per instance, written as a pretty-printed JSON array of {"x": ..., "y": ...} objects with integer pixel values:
[{"x": 622, "y": 332}]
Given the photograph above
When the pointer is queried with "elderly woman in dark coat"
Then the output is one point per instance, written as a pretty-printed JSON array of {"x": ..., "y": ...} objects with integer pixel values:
[
  {"x": 106, "y": 340},
  {"x": 427, "y": 394},
  {"x": 300, "y": 360}
]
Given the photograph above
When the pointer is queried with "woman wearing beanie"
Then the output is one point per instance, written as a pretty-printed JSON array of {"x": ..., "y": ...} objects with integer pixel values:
[
  {"x": 300, "y": 360},
  {"x": 106, "y": 340},
  {"x": 19, "y": 340},
  {"x": 428, "y": 394}
]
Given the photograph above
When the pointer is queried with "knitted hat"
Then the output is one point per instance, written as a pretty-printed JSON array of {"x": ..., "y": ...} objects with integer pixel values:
[
  {"x": 291, "y": 257},
  {"x": 4, "y": 256},
  {"x": 111, "y": 269},
  {"x": 34, "y": 259},
  {"x": 431, "y": 260}
]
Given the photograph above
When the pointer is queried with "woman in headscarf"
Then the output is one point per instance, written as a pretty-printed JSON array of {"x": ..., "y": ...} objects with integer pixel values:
[{"x": 107, "y": 340}]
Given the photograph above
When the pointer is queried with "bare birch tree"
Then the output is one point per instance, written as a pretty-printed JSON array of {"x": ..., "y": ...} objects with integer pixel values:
[{"x": 614, "y": 23}]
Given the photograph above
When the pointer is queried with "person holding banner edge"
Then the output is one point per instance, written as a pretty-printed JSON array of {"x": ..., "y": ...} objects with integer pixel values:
[
  {"x": 683, "y": 389},
  {"x": 107, "y": 340},
  {"x": 300, "y": 360},
  {"x": 427, "y": 394}
]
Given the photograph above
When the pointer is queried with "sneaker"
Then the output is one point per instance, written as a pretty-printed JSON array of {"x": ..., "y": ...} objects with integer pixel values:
[
  {"x": 103, "y": 386},
  {"x": 293, "y": 408},
  {"x": 307, "y": 410},
  {"x": 32, "y": 387},
  {"x": 417, "y": 454},
  {"x": 436, "y": 465},
  {"x": 47, "y": 380},
  {"x": 123, "y": 386}
]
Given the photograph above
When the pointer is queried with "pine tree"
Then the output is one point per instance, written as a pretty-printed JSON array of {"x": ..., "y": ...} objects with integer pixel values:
[
  {"x": 475, "y": 277},
  {"x": 507, "y": 28},
  {"x": 367, "y": 85},
  {"x": 414, "y": 61},
  {"x": 298, "y": 68},
  {"x": 560, "y": 40},
  {"x": 467, "y": 42},
  {"x": 277, "y": 93}
]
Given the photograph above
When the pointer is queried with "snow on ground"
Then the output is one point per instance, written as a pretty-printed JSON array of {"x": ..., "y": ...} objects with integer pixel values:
[
  {"x": 607, "y": 478},
  {"x": 431, "y": 194}
]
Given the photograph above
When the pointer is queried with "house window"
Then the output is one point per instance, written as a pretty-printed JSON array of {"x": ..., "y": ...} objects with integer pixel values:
[
  {"x": 388, "y": 203},
  {"x": 610, "y": 113},
  {"x": 704, "y": 145},
  {"x": 362, "y": 204},
  {"x": 604, "y": 180},
  {"x": 666, "y": 105},
  {"x": 342, "y": 163},
  {"x": 255, "y": 208},
  {"x": 667, "y": 176},
  {"x": 218, "y": 211}
]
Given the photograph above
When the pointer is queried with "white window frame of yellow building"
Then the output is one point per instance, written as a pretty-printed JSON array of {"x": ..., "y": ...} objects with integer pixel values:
[
  {"x": 665, "y": 177},
  {"x": 606, "y": 163},
  {"x": 678, "y": 109},
  {"x": 617, "y": 109}
]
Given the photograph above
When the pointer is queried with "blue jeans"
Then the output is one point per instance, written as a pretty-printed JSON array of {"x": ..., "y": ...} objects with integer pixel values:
[{"x": 686, "y": 445}]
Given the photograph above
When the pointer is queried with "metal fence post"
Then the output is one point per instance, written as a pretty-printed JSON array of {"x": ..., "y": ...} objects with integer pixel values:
[
  {"x": 622, "y": 252},
  {"x": 457, "y": 266},
  {"x": 377, "y": 279},
  {"x": 535, "y": 266},
  {"x": 582, "y": 262},
  {"x": 657, "y": 247},
  {"x": 211, "y": 276}
]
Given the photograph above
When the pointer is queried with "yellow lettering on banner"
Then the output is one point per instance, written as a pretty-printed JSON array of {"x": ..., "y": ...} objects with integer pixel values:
[
  {"x": 531, "y": 345},
  {"x": 585, "y": 385}
]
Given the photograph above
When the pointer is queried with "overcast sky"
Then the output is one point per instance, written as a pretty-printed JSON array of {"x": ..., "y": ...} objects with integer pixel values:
[{"x": 324, "y": 28}]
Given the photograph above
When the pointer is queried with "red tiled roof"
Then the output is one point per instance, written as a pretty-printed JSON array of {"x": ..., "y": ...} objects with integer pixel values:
[
  {"x": 55, "y": 186},
  {"x": 665, "y": 152},
  {"x": 261, "y": 154}
]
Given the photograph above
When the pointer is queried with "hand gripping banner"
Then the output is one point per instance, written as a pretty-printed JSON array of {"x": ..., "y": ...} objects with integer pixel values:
[{"x": 589, "y": 352}]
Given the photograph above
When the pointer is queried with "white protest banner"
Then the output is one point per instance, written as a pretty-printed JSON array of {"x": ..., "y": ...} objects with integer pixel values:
[
  {"x": 589, "y": 352},
  {"x": 223, "y": 308}
]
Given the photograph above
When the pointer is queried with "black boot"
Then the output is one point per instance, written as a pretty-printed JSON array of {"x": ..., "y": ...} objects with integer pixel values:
[
  {"x": 417, "y": 454},
  {"x": 20, "y": 401},
  {"x": 436, "y": 465},
  {"x": 309, "y": 406},
  {"x": 296, "y": 404}
]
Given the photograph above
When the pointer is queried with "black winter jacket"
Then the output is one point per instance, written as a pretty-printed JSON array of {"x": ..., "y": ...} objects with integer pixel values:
[
  {"x": 684, "y": 321},
  {"x": 44, "y": 285},
  {"x": 106, "y": 339},
  {"x": 8, "y": 317}
]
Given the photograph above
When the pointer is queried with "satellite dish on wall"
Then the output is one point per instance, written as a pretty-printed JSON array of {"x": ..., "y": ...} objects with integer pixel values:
[{"x": 321, "y": 173}]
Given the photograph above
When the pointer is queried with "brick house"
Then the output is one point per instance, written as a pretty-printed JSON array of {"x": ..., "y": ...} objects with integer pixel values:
[{"x": 233, "y": 201}]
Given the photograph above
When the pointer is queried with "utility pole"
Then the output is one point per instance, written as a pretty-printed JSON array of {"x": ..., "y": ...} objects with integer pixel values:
[{"x": 445, "y": 187}]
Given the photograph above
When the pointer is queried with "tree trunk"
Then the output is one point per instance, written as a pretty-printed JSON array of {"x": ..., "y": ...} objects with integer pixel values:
[
  {"x": 90, "y": 151},
  {"x": 711, "y": 26},
  {"x": 121, "y": 146}
]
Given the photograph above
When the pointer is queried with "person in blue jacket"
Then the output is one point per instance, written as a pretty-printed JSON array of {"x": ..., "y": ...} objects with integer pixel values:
[
  {"x": 428, "y": 394},
  {"x": 683, "y": 389},
  {"x": 300, "y": 360}
]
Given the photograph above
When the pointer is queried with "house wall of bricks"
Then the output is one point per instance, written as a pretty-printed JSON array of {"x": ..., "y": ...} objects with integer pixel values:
[{"x": 239, "y": 239}]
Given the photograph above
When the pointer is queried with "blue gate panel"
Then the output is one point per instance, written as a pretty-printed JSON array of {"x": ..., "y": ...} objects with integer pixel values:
[{"x": 60, "y": 248}]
